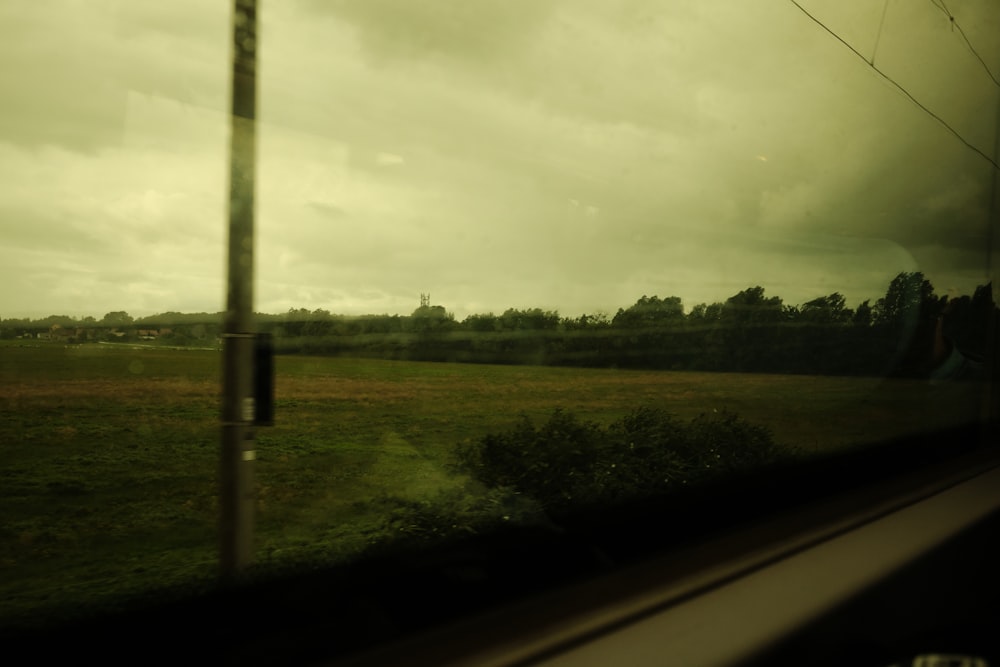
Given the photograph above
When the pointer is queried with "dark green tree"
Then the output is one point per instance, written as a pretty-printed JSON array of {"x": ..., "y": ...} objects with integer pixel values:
[
  {"x": 295, "y": 321},
  {"x": 650, "y": 311},
  {"x": 482, "y": 322},
  {"x": 831, "y": 309},
  {"x": 908, "y": 300},
  {"x": 426, "y": 319},
  {"x": 907, "y": 316},
  {"x": 862, "y": 314},
  {"x": 750, "y": 306},
  {"x": 318, "y": 323},
  {"x": 532, "y": 319},
  {"x": 705, "y": 313},
  {"x": 118, "y": 318}
]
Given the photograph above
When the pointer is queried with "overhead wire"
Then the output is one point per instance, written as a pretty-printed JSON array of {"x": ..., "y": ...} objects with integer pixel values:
[
  {"x": 991, "y": 229},
  {"x": 903, "y": 90},
  {"x": 954, "y": 24}
]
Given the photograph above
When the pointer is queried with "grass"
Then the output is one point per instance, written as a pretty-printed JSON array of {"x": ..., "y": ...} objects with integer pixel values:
[{"x": 108, "y": 475}]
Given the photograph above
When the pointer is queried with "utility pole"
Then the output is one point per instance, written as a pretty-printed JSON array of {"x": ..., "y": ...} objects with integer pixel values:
[{"x": 237, "y": 493}]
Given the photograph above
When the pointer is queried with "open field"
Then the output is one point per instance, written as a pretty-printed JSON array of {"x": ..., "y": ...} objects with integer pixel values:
[{"x": 108, "y": 470}]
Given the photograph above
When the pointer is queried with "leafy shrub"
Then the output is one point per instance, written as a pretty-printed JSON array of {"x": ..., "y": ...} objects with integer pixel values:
[
  {"x": 567, "y": 461},
  {"x": 554, "y": 463},
  {"x": 726, "y": 443},
  {"x": 532, "y": 472},
  {"x": 452, "y": 514}
]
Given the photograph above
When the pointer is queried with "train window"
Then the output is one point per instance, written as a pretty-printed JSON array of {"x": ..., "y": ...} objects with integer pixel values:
[{"x": 545, "y": 283}]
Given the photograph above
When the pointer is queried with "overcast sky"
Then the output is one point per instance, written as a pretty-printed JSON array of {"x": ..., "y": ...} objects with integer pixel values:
[{"x": 562, "y": 154}]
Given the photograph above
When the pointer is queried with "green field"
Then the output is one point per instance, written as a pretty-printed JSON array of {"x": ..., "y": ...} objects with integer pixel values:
[{"x": 110, "y": 453}]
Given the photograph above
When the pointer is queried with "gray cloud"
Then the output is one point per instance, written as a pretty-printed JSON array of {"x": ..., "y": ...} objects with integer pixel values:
[
  {"x": 569, "y": 155},
  {"x": 473, "y": 30}
]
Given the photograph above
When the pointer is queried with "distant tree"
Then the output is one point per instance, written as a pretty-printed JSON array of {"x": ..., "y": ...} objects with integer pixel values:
[
  {"x": 982, "y": 297},
  {"x": 380, "y": 324},
  {"x": 485, "y": 322},
  {"x": 533, "y": 319},
  {"x": 55, "y": 321},
  {"x": 966, "y": 322},
  {"x": 597, "y": 320},
  {"x": 908, "y": 315},
  {"x": 117, "y": 318},
  {"x": 705, "y": 314},
  {"x": 295, "y": 321},
  {"x": 831, "y": 309},
  {"x": 862, "y": 314},
  {"x": 909, "y": 305},
  {"x": 750, "y": 306},
  {"x": 650, "y": 311},
  {"x": 14, "y": 327},
  {"x": 426, "y": 319},
  {"x": 318, "y": 323}
]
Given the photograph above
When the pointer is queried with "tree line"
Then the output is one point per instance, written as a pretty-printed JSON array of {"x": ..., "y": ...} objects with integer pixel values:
[{"x": 749, "y": 331}]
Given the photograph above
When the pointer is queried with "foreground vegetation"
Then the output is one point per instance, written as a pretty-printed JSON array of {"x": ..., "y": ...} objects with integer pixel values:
[
  {"x": 109, "y": 469},
  {"x": 567, "y": 461}
]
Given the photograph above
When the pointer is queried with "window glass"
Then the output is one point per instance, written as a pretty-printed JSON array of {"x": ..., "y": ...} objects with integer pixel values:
[{"x": 517, "y": 260}]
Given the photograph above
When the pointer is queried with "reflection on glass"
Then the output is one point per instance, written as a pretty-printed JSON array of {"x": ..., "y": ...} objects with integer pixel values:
[{"x": 516, "y": 261}]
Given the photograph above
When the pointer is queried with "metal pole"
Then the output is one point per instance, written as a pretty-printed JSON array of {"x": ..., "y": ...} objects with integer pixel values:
[{"x": 237, "y": 493}]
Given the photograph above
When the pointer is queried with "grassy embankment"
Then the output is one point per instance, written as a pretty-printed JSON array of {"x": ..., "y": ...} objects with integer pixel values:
[{"x": 108, "y": 470}]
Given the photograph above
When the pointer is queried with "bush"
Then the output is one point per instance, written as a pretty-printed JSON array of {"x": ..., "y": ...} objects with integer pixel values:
[
  {"x": 449, "y": 515},
  {"x": 567, "y": 461},
  {"x": 555, "y": 464}
]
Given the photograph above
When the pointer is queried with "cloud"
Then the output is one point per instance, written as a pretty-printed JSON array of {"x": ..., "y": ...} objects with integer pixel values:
[
  {"x": 471, "y": 30},
  {"x": 389, "y": 159},
  {"x": 144, "y": 227},
  {"x": 567, "y": 155},
  {"x": 66, "y": 74}
]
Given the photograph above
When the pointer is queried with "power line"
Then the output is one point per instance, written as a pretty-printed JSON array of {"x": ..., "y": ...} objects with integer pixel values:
[
  {"x": 954, "y": 24},
  {"x": 898, "y": 86}
]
